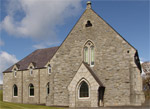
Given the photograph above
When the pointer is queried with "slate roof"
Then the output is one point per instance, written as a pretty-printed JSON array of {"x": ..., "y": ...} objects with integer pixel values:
[
  {"x": 93, "y": 74},
  {"x": 39, "y": 57}
]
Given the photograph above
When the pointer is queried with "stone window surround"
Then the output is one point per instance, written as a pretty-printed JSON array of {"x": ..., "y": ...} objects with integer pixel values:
[
  {"x": 15, "y": 73},
  {"x": 86, "y": 45},
  {"x": 14, "y": 70},
  {"x": 49, "y": 69},
  {"x": 13, "y": 90},
  {"x": 78, "y": 89},
  {"x": 31, "y": 70},
  {"x": 29, "y": 90},
  {"x": 88, "y": 23}
]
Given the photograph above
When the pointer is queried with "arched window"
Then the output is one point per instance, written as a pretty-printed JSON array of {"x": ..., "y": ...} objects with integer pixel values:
[
  {"x": 89, "y": 53},
  {"x": 31, "y": 90},
  {"x": 83, "y": 90},
  {"x": 48, "y": 88},
  {"x": 15, "y": 73},
  {"x": 31, "y": 70},
  {"x": 15, "y": 90},
  {"x": 49, "y": 69}
]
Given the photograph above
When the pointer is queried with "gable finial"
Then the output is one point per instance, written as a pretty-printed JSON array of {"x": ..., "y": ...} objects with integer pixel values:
[{"x": 88, "y": 5}]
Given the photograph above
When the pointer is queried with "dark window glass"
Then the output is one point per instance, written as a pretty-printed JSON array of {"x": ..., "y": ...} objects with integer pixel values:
[
  {"x": 48, "y": 88},
  {"x": 31, "y": 90},
  {"x": 15, "y": 90},
  {"x": 84, "y": 90},
  {"x": 89, "y": 24}
]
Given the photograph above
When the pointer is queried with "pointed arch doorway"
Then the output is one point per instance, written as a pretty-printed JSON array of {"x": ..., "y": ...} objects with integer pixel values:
[{"x": 84, "y": 88}]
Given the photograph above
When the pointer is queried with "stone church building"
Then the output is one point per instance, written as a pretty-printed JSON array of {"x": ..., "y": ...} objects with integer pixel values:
[{"x": 94, "y": 66}]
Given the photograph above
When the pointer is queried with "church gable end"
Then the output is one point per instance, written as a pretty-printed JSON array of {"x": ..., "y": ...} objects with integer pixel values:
[
  {"x": 93, "y": 62},
  {"x": 112, "y": 58}
]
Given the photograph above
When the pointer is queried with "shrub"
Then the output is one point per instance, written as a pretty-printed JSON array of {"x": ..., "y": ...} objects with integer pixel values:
[{"x": 146, "y": 87}]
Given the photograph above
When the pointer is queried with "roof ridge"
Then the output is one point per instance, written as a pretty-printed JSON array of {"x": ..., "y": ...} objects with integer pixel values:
[
  {"x": 46, "y": 48},
  {"x": 39, "y": 56}
]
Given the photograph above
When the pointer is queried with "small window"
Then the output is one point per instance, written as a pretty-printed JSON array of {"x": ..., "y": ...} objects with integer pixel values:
[
  {"x": 84, "y": 90},
  {"x": 15, "y": 90},
  {"x": 48, "y": 88},
  {"x": 31, "y": 70},
  {"x": 49, "y": 69},
  {"x": 88, "y": 24},
  {"x": 15, "y": 73},
  {"x": 31, "y": 90}
]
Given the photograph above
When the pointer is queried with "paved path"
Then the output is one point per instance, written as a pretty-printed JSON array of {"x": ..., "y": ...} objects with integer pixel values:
[
  {"x": 146, "y": 105},
  {"x": 124, "y": 107}
]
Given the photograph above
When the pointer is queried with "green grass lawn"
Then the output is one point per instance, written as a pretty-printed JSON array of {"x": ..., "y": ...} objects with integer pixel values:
[{"x": 6, "y": 105}]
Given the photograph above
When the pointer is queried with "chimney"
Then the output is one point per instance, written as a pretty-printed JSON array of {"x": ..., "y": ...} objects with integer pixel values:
[{"x": 88, "y": 5}]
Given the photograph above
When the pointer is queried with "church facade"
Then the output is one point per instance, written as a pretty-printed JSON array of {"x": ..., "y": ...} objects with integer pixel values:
[{"x": 94, "y": 66}]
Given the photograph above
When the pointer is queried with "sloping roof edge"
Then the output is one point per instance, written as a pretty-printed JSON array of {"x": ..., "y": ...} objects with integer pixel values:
[
  {"x": 93, "y": 74},
  {"x": 115, "y": 30},
  {"x": 52, "y": 51}
]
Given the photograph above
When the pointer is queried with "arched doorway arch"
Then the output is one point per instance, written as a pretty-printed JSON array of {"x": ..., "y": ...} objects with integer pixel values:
[{"x": 83, "y": 89}]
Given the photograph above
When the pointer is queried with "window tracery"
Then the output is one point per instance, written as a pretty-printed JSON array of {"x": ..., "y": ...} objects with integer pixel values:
[{"x": 89, "y": 53}]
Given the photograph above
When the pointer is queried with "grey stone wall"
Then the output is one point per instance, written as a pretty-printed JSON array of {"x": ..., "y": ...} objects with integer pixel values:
[
  {"x": 7, "y": 87},
  {"x": 34, "y": 79},
  {"x": 39, "y": 79},
  {"x": 8, "y": 81},
  {"x": 113, "y": 56}
]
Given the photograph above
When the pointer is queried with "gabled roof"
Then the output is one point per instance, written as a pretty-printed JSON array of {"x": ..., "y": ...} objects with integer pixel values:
[
  {"x": 17, "y": 65},
  {"x": 93, "y": 74},
  {"x": 39, "y": 57},
  {"x": 34, "y": 64}
]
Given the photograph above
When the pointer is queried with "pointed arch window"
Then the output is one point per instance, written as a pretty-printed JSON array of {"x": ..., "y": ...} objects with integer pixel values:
[
  {"x": 15, "y": 90},
  {"x": 89, "y": 53},
  {"x": 48, "y": 88},
  {"x": 84, "y": 90},
  {"x": 31, "y": 90}
]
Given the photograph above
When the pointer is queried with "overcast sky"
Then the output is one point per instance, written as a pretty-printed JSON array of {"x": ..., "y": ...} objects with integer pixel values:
[{"x": 27, "y": 25}]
